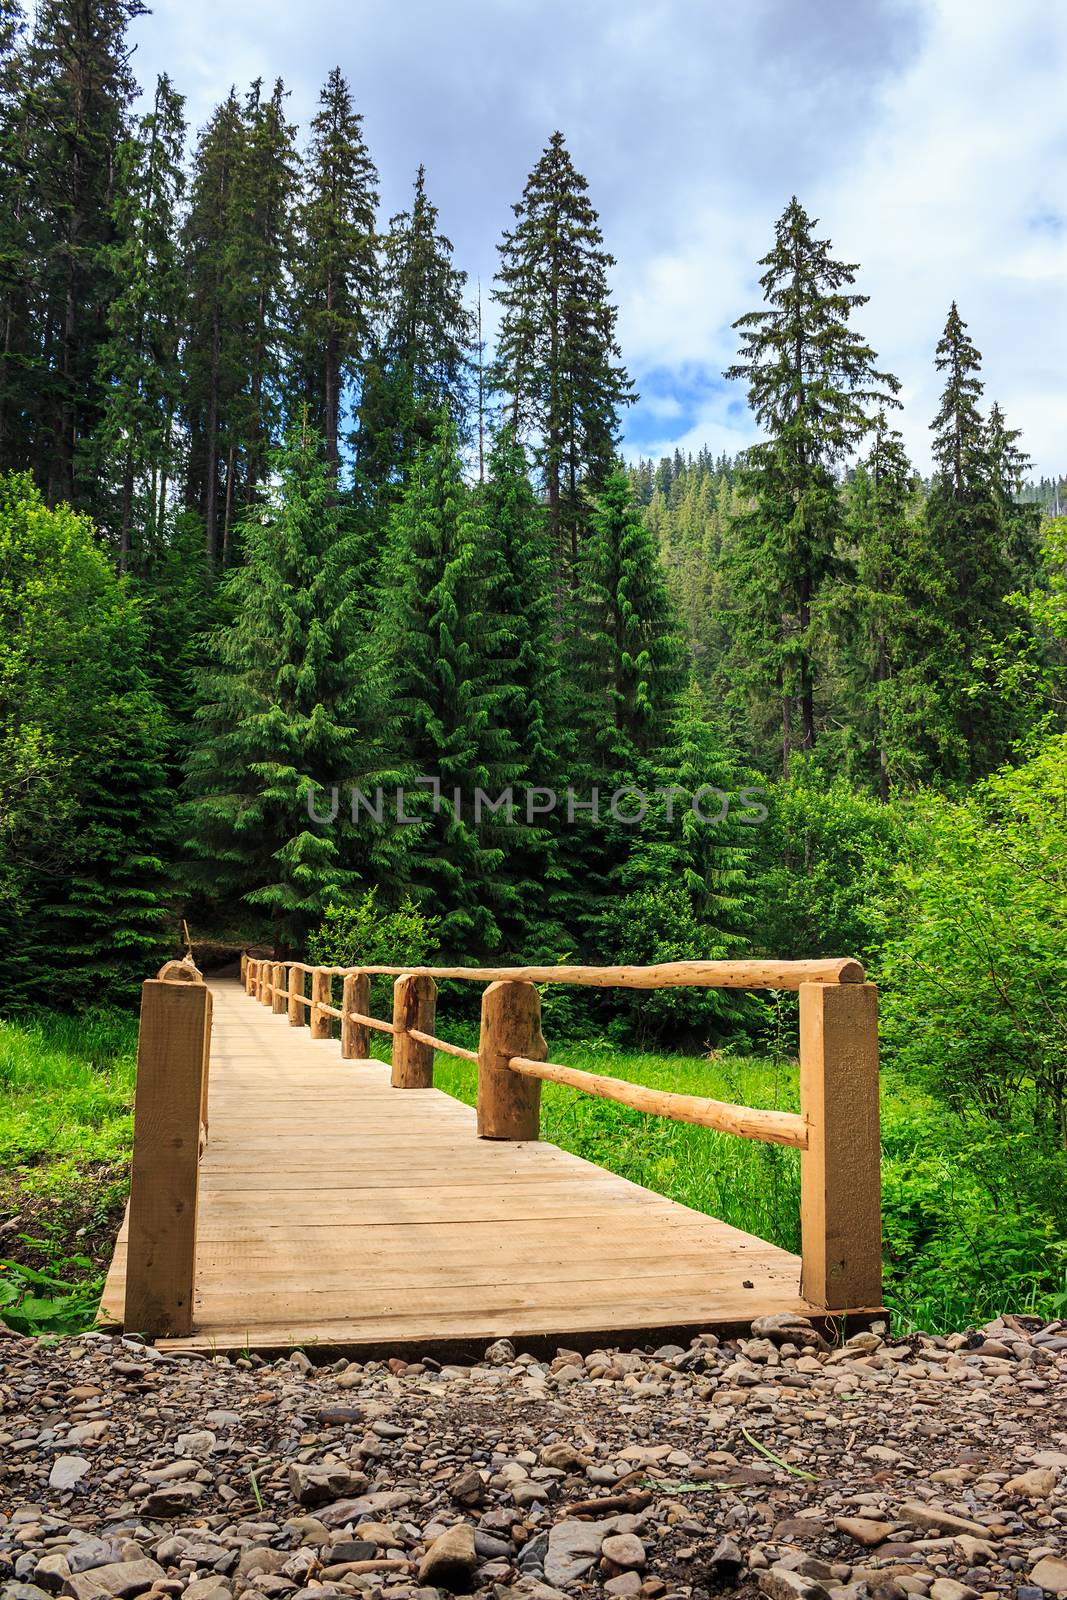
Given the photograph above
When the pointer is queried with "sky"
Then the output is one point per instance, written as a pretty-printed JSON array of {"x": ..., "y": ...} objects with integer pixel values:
[{"x": 929, "y": 137}]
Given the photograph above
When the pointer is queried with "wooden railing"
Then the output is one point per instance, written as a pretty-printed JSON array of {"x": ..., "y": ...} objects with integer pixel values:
[{"x": 836, "y": 1130}]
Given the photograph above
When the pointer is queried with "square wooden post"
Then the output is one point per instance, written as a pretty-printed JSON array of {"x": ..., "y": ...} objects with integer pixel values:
[
  {"x": 840, "y": 1171},
  {"x": 169, "y": 1110},
  {"x": 509, "y": 1105},
  {"x": 414, "y": 1006},
  {"x": 355, "y": 1036},
  {"x": 321, "y": 990}
]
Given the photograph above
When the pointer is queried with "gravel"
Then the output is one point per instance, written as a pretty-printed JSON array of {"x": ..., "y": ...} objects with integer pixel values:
[{"x": 879, "y": 1470}]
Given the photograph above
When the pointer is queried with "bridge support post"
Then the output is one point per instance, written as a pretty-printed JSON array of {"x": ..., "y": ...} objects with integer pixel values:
[
  {"x": 840, "y": 1175},
  {"x": 296, "y": 992},
  {"x": 266, "y": 986},
  {"x": 321, "y": 990},
  {"x": 509, "y": 1105},
  {"x": 414, "y": 1006},
  {"x": 277, "y": 979},
  {"x": 355, "y": 1036},
  {"x": 170, "y": 1113}
]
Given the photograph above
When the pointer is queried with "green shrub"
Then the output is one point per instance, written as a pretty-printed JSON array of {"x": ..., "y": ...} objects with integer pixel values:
[
  {"x": 975, "y": 974},
  {"x": 660, "y": 924},
  {"x": 828, "y": 861},
  {"x": 362, "y": 935}
]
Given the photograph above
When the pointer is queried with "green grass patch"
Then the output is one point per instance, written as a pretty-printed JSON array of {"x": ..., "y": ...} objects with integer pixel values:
[{"x": 66, "y": 1134}]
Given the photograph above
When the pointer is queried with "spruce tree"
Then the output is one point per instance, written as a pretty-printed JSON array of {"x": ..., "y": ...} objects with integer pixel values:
[
  {"x": 133, "y": 450},
  {"x": 421, "y": 360},
  {"x": 264, "y": 199},
  {"x": 287, "y": 710},
  {"x": 683, "y": 889},
  {"x": 441, "y": 644},
  {"x": 968, "y": 543},
  {"x": 886, "y": 658},
  {"x": 81, "y": 90},
  {"x": 558, "y": 362},
  {"x": 1020, "y": 523},
  {"x": 337, "y": 272},
  {"x": 527, "y": 667},
  {"x": 20, "y": 369},
  {"x": 812, "y": 383},
  {"x": 626, "y": 652},
  {"x": 212, "y": 346}
]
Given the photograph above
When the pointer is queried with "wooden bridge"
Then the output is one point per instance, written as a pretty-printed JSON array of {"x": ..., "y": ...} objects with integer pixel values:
[{"x": 287, "y": 1190}]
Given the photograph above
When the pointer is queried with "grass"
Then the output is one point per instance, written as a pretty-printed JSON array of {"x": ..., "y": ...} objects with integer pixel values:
[
  {"x": 66, "y": 1132},
  {"x": 975, "y": 1216}
]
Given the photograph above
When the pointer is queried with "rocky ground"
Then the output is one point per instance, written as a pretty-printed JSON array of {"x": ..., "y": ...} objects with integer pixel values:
[{"x": 773, "y": 1465}]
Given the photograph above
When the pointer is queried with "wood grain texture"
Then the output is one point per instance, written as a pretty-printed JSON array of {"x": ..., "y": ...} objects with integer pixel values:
[
  {"x": 772, "y": 1127},
  {"x": 840, "y": 1176},
  {"x": 355, "y": 998},
  {"x": 666, "y": 975},
  {"x": 337, "y": 1214},
  {"x": 509, "y": 1105},
  {"x": 295, "y": 1007},
  {"x": 414, "y": 1007},
  {"x": 321, "y": 994},
  {"x": 169, "y": 1110}
]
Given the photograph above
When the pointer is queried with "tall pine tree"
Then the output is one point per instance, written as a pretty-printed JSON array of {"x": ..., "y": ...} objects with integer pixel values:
[
  {"x": 337, "y": 271},
  {"x": 968, "y": 542},
  {"x": 422, "y": 356},
  {"x": 812, "y": 383},
  {"x": 442, "y": 644},
  {"x": 558, "y": 362},
  {"x": 287, "y": 710},
  {"x": 133, "y": 450}
]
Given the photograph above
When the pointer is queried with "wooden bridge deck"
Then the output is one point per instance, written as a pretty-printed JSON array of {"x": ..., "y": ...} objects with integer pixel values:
[{"x": 340, "y": 1213}]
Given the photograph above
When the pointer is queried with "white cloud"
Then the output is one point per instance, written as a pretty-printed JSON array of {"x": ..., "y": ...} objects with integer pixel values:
[{"x": 927, "y": 135}]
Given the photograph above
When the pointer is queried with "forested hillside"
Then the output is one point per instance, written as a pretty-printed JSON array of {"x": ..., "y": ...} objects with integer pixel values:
[{"x": 296, "y": 563}]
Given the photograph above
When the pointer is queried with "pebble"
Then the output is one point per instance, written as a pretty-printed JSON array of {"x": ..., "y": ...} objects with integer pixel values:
[{"x": 926, "y": 1469}]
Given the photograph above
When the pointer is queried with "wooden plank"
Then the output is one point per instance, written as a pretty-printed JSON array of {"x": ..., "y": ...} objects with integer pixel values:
[{"x": 840, "y": 1179}]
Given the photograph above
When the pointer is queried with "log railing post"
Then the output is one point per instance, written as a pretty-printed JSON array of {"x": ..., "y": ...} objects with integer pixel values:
[
  {"x": 414, "y": 1006},
  {"x": 840, "y": 1182},
  {"x": 170, "y": 1110},
  {"x": 277, "y": 978},
  {"x": 266, "y": 986},
  {"x": 509, "y": 1105},
  {"x": 321, "y": 989},
  {"x": 355, "y": 1036},
  {"x": 296, "y": 987}
]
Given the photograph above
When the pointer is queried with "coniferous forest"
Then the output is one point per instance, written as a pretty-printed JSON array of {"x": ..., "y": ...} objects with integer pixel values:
[{"x": 296, "y": 564}]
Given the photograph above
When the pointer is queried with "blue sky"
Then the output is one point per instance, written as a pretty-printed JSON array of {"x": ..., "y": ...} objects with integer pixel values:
[{"x": 928, "y": 136}]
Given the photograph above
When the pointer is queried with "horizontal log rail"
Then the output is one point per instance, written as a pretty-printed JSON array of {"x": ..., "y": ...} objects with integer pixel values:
[
  {"x": 665, "y": 975},
  {"x": 772, "y": 1127},
  {"x": 836, "y": 1130}
]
